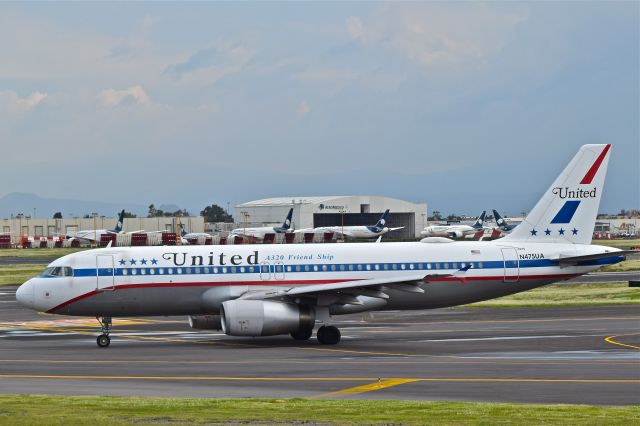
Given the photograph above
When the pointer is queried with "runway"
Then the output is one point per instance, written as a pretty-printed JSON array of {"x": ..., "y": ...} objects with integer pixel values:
[{"x": 587, "y": 355}]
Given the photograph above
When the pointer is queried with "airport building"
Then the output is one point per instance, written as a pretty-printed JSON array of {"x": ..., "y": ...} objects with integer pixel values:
[
  {"x": 312, "y": 212},
  {"x": 42, "y": 227}
]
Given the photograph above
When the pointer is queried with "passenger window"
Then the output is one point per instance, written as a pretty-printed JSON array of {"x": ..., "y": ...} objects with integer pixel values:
[
  {"x": 342, "y": 267},
  {"x": 394, "y": 266},
  {"x": 298, "y": 268},
  {"x": 446, "y": 265},
  {"x": 125, "y": 272},
  {"x": 359, "y": 267},
  {"x": 333, "y": 267},
  {"x": 377, "y": 267},
  {"x": 351, "y": 267}
]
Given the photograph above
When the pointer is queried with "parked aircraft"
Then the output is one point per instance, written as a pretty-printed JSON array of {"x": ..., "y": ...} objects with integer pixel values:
[
  {"x": 454, "y": 231},
  {"x": 94, "y": 235},
  {"x": 376, "y": 230},
  {"x": 275, "y": 289},
  {"x": 190, "y": 235},
  {"x": 260, "y": 232},
  {"x": 502, "y": 224}
]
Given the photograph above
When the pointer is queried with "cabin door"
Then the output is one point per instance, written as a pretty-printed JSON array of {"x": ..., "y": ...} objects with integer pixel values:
[
  {"x": 105, "y": 272},
  {"x": 511, "y": 265}
]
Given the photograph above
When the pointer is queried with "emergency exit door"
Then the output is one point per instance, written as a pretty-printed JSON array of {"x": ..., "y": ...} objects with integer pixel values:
[{"x": 511, "y": 265}]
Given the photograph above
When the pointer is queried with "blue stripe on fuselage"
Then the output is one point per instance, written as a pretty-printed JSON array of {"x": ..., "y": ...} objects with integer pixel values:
[{"x": 432, "y": 267}]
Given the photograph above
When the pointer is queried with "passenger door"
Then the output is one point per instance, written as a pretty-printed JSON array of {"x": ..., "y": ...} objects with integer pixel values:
[
  {"x": 105, "y": 272},
  {"x": 511, "y": 265}
]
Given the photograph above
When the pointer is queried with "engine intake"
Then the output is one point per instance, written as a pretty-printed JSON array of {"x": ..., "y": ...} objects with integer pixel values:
[
  {"x": 265, "y": 318},
  {"x": 205, "y": 322}
]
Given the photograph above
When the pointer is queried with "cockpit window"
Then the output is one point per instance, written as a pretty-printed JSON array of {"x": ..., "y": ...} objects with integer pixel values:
[{"x": 58, "y": 271}]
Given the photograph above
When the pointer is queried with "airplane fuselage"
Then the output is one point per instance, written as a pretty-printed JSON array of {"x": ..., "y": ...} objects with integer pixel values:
[{"x": 193, "y": 280}]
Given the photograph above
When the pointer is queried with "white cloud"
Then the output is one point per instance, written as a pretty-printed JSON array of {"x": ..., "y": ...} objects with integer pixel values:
[
  {"x": 113, "y": 97},
  {"x": 303, "y": 108},
  {"x": 12, "y": 103},
  {"x": 436, "y": 34}
]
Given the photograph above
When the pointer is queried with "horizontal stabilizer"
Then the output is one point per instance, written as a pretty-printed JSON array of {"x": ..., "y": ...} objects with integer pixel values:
[{"x": 574, "y": 260}]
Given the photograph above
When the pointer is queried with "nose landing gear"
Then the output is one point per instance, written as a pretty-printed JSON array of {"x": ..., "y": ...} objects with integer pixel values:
[{"x": 104, "y": 340}]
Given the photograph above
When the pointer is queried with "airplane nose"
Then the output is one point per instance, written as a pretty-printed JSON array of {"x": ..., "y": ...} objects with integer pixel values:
[{"x": 25, "y": 293}]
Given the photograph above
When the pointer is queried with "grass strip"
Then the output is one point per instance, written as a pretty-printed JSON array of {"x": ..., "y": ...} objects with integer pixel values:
[
  {"x": 88, "y": 410},
  {"x": 593, "y": 294},
  {"x": 17, "y": 274},
  {"x": 38, "y": 252}
]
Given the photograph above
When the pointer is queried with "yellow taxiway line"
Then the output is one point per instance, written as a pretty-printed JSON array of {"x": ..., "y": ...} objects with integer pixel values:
[
  {"x": 613, "y": 342},
  {"x": 380, "y": 384}
]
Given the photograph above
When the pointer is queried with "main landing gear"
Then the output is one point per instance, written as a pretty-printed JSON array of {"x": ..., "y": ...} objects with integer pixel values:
[
  {"x": 104, "y": 340},
  {"x": 328, "y": 335}
]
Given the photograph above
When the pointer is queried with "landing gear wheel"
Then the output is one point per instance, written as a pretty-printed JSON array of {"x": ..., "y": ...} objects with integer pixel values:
[
  {"x": 328, "y": 335},
  {"x": 103, "y": 340},
  {"x": 302, "y": 334}
]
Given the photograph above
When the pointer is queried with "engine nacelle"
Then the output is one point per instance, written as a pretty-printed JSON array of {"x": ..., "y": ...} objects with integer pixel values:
[
  {"x": 205, "y": 322},
  {"x": 264, "y": 318}
]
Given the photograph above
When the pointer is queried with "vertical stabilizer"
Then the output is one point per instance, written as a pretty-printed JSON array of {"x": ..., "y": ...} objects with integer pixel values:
[
  {"x": 382, "y": 222},
  {"x": 120, "y": 223},
  {"x": 567, "y": 211},
  {"x": 480, "y": 220},
  {"x": 287, "y": 222}
]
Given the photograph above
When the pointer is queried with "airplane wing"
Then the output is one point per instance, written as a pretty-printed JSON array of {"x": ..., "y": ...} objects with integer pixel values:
[{"x": 395, "y": 229}]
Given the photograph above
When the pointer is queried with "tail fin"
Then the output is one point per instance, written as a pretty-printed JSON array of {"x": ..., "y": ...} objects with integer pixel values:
[
  {"x": 183, "y": 232},
  {"x": 287, "y": 222},
  {"x": 382, "y": 222},
  {"x": 480, "y": 220},
  {"x": 500, "y": 221},
  {"x": 118, "y": 227},
  {"x": 567, "y": 212}
]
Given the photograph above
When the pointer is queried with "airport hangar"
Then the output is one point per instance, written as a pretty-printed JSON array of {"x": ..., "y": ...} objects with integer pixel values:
[{"x": 313, "y": 212}]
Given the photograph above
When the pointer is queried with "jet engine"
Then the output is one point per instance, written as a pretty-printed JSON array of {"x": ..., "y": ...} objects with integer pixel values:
[
  {"x": 265, "y": 318},
  {"x": 205, "y": 322},
  {"x": 455, "y": 234}
]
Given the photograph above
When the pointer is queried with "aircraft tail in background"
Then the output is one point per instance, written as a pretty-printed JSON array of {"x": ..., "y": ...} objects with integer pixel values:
[
  {"x": 567, "y": 211},
  {"x": 382, "y": 222},
  {"x": 479, "y": 223},
  {"x": 287, "y": 222},
  {"x": 120, "y": 223}
]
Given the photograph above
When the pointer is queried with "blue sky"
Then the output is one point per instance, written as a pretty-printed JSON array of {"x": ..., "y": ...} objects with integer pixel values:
[{"x": 465, "y": 106}]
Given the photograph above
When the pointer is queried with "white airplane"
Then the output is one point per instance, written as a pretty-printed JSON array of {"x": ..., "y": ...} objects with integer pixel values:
[
  {"x": 276, "y": 289},
  {"x": 376, "y": 230},
  {"x": 94, "y": 235},
  {"x": 190, "y": 235},
  {"x": 260, "y": 232},
  {"x": 454, "y": 231}
]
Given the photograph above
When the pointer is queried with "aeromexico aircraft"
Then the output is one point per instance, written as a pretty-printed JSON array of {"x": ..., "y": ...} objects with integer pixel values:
[
  {"x": 260, "y": 232},
  {"x": 94, "y": 235},
  {"x": 454, "y": 231},
  {"x": 376, "y": 230},
  {"x": 502, "y": 224},
  {"x": 274, "y": 289}
]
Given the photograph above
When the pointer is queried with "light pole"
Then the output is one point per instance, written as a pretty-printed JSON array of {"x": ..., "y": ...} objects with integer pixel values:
[{"x": 245, "y": 218}]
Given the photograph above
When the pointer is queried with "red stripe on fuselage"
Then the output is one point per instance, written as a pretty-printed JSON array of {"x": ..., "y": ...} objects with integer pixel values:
[
  {"x": 595, "y": 166},
  {"x": 195, "y": 284},
  {"x": 224, "y": 283}
]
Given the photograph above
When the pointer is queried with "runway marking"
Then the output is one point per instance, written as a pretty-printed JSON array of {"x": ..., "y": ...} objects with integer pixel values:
[
  {"x": 315, "y": 379},
  {"x": 610, "y": 340},
  {"x": 506, "y": 321},
  {"x": 380, "y": 384}
]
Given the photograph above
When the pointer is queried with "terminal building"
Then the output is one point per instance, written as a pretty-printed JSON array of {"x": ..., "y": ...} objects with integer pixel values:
[{"x": 312, "y": 212}]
